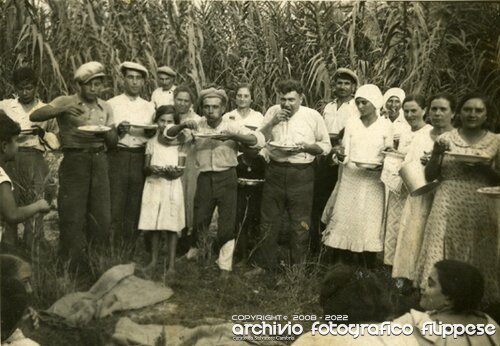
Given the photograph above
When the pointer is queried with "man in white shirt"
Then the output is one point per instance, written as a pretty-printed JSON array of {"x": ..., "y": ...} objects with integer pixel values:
[
  {"x": 290, "y": 173},
  {"x": 336, "y": 113},
  {"x": 164, "y": 95},
  {"x": 29, "y": 170},
  {"x": 126, "y": 162}
]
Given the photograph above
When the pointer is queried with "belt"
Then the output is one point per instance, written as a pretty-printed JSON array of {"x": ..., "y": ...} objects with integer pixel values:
[
  {"x": 140, "y": 150},
  {"x": 84, "y": 150},
  {"x": 290, "y": 164},
  {"x": 30, "y": 149}
]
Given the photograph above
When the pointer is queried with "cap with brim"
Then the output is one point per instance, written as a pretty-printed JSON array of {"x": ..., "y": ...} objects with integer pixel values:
[
  {"x": 129, "y": 65},
  {"x": 212, "y": 92},
  {"x": 89, "y": 71},
  {"x": 167, "y": 70},
  {"x": 346, "y": 71}
]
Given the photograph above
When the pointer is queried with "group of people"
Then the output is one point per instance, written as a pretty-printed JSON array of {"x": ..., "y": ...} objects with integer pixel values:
[{"x": 132, "y": 165}]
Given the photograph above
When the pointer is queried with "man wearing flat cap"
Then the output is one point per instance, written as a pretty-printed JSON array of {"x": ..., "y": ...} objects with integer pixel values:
[
  {"x": 86, "y": 130},
  {"x": 164, "y": 95},
  {"x": 126, "y": 162},
  {"x": 336, "y": 115},
  {"x": 216, "y": 146}
]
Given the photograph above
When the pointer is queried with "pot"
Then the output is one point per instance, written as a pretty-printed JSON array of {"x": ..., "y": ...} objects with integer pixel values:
[{"x": 413, "y": 175}]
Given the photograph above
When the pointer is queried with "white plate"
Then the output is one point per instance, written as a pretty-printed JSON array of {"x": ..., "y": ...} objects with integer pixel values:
[
  {"x": 94, "y": 128},
  {"x": 250, "y": 182},
  {"x": 394, "y": 154},
  {"x": 492, "y": 191},
  {"x": 285, "y": 147},
  {"x": 367, "y": 164},
  {"x": 470, "y": 158},
  {"x": 205, "y": 135},
  {"x": 145, "y": 127}
]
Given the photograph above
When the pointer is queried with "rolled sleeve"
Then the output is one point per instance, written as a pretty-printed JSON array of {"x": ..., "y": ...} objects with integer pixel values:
[{"x": 261, "y": 140}]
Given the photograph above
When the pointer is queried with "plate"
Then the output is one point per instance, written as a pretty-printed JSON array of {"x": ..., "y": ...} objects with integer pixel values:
[
  {"x": 470, "y": 158},
  {"x": 492, "y": 191},
  {"x": 394, "y": 154},
  {"x": 367, "y": 164},
  {"x": 250, "y": 182},
  {"x": 205, "y": 135},
  {"x": 145, "y": 127},
  {"x": 94, "y": 128},
  {"x": 286, "y": 147},
  {"x": 28, "y": 131}
]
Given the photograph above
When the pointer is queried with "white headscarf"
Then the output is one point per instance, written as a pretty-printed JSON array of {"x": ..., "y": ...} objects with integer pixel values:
[
  {"x": 398, "y": 92},
  {"x": 372, "y": 93}
]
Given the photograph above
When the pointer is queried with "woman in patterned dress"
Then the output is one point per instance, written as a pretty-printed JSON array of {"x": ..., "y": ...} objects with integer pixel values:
[
  {"x": 460, "y": 226},
  {"x": 355, "y": 225}
]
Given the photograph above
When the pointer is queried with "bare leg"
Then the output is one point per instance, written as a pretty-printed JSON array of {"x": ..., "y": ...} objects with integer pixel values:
[
  {"x": 172, "y": 245},
  {"x": 155, "y": 249}
]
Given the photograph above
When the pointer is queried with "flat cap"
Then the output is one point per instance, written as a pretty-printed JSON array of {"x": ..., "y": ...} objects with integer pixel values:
[
  {"x": 212, "y": 92},
  {"x": 89, "y": 71},
  {"x": 129, "y": 65},
  {"x": 348, "y": 72},
  {"x": 167, "y": 70}
]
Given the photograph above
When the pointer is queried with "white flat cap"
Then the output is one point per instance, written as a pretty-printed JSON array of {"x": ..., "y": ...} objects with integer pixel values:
[
  {"x": 167, "y": 70},
  {"x": 89, "y": 71},
  {"x": 129, "y": 65}
]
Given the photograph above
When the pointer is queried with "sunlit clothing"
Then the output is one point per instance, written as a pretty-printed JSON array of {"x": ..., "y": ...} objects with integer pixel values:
[
  {"x": 336, "y": 117},
  {"x": 252, "y": 119},
  {"x": 161, "y": 97}
]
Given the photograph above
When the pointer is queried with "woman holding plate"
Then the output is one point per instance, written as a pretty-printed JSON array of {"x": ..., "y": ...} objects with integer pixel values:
[
  {"x": 460, "y": 226},
  {"x": 356, "y": 222}
]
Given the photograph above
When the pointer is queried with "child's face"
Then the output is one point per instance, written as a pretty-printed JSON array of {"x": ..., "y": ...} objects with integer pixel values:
[
  {"x": 9, "y": 149},
  {"x": 165, "y": 119}
]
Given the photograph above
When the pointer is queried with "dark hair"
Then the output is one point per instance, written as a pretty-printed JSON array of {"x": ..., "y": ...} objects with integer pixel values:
[
  {"x": 355, "y": 292},
  {"x": 166, "y": 109},
  {"x": 475, "y": 95},
  {"x": 462, "y": 283},
  {"x": 8, "y": 128},
  {"x": 290, "y": 85},
  {"x": 24, "y": 74},
  {"x": 246, "y": 86},
  {"x": 14, "y": 301},
  {"x": 419, "y": 99},
  {"x": 125, "y": 69},
  {"x": 185, "y": 89},
  {"x": 447, "y": 96}
]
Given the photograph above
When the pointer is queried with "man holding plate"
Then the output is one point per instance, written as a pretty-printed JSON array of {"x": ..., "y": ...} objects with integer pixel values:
[
  {"x": 297, "y": 135},
  {"x": 86, "y": 129},
  {"x": 216, "y": 146},
  {"x": 134, "y": 117}
]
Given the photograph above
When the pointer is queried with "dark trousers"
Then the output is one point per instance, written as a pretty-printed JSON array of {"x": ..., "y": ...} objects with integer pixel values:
[
  {"x": 84, "y": 203},
  {"x": 326, "y": 177},
  {"x": 29, "y": 173},
  {"x": 126, "y": 177},
  {"x": 247, "y": 219},
  {"x": 287, "y": 188},
  {"x": 216, "y": 189}
]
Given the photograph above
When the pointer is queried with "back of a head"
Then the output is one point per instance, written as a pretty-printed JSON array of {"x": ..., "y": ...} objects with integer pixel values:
[
  {"x": 14, "y": 301},
  {"x": 462, "y": 283},
  {"x": 354, "y": 292},
  {"x": 8, "y": 128}
]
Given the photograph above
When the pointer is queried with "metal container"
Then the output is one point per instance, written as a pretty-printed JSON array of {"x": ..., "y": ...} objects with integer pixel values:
[{"x": 413, "y": 175}]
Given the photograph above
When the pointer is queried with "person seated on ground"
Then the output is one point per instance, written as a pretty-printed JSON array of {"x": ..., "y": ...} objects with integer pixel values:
[
  {"x": 9, "y": 211},
  {"x": 360, "y": 296},
  {"x": 452, "y": 296}
]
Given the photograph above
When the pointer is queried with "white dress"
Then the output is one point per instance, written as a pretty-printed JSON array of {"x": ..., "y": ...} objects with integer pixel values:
[
  {"x": 162, "y": 200},
  {"x": 413, "y": 216},
  {"x": 356, "y": 221}
]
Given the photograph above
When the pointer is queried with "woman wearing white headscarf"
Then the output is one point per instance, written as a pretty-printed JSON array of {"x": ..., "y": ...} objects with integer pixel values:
[
  {"x": 356, "y": 222},
  {"x": 393, "y": 110}
]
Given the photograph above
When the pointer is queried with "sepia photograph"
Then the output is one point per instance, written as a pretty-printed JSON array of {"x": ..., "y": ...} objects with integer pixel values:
[{"x": 267, "y": 172}]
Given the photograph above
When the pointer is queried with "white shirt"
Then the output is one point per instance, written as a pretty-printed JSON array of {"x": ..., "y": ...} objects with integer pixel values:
[
  {"x": 252, "y": 119},
  {"x": 400, "y": 126},
  {"x": 337, "y": 118},
  {"x": 161, "y": 97},
  {"x": 306, "y": 125},
  {"x": 17, "y": 112},
  {"x": 136, "y": 111},
  {"x": 4, "y": 178}
]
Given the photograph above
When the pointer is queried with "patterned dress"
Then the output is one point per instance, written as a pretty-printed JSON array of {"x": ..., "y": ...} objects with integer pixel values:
[{"x": 460, "y": 225}]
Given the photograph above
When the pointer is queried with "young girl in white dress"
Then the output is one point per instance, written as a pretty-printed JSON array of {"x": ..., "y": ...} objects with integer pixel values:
[{"x": 162, "y": 207}]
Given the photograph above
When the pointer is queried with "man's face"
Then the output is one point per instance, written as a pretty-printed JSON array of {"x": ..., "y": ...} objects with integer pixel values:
[
  {"x": 26, "y": 91},
  {"x": 291, "y": 101},
  {"x": 182, "y": 102},
  {"x": 344, "y": 87},
  {"x": 134, "y": 81},
  {"x": 91, "y": 90},
  {"x": 9, "y": 149},
  {"x": 166, "y": 81},
  {"x": 213, "y": 108}
]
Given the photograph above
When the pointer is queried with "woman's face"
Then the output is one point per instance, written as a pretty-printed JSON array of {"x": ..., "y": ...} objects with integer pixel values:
[
  {"x": 440, "y": 113},
  {"x": 414, "y": 114},
  {"x": 393, "y": 105},
  {"x": 243, "y": 98},
  {"x": 432, "y": 297},
  {"x": 365, "y": 107},
  {"x": 164, "y": 120},
  {"x": 182, "y": 102},
  {"x": 24, "y": 275},
  {"x": 473, "y": 114}
]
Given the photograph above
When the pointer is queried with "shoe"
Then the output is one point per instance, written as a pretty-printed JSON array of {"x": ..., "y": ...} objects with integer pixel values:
[
  {"x": 254, "y": 272},
  {"x": 192, "y": 254}
]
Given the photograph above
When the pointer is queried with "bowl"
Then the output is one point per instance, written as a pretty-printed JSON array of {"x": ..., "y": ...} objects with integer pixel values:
[
  {"x": 367, "y": 164},
  {"x": 413, "y": 175},
  {"x": 470, "y": 158},
  {"x": 490, "y": 191}
]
